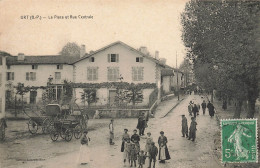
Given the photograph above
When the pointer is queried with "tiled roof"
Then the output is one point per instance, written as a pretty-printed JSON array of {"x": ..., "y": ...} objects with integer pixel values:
[
  {"x": 127, "y": 46},
  {"x": 46, "y": 59}
]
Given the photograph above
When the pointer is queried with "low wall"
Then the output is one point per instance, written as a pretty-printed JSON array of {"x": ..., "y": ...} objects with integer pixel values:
[{"x": 122, "y": 113}]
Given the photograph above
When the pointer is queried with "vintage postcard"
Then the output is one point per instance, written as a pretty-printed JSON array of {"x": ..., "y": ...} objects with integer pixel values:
[{"x": 129, "y": 83}]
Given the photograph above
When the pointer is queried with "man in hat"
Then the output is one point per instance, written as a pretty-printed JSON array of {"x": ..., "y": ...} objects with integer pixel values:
[
  {"x": 184, "y": 125},
  {"x": 153, "y": 152},
  {"x": 141, "y": 125},
  {"x": 111, "y": 132},
  {"x": 163, "y": 150},
  {"x": 203, "y": 105},
  {"x": 193, "y": 129}
]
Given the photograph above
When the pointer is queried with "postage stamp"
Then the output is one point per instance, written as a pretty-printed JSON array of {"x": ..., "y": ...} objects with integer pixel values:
[{"x": 239, "y": 140}]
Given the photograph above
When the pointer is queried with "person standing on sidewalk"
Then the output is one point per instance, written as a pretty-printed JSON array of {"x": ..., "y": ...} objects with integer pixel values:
[
  {"x": 190, "y": 108},
  {"x": 184, "y": 125},
  {"x": 203, "y": 106},
  {"x": 141, "y": 125},
  {"x": 211, "y": 109},
  {"x": 111, "y": 132},
  {"x": 153, "y": 152},
  {"x": 195, "y": 110},
  {"x": 193, "y": 129},
  {"x": 163, "y": 150}
]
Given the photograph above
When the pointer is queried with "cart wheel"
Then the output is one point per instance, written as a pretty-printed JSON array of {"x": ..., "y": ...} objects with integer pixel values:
[
  {"x": 54, "y": 135},
  {"x": 68, "y": 135},
  {"x": 63, "y": 133},
  {"x": 32, "y": 126},
  {"x": 77, "y": 132}
]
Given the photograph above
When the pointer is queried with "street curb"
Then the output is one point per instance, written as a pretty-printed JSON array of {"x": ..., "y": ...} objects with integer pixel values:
[{"x": 173, "y": 107}]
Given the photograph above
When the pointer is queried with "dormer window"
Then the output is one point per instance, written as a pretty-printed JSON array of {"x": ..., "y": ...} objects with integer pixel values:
[
  {"x": 59, "y": 66},
  {"x": 139, "y": 59},
  {"x": 34, "y": 66},
  {"x": 92, "y": 59},
  {"x": 113, "y": 57}
]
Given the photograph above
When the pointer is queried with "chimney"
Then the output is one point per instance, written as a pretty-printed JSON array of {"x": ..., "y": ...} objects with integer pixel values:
[
  {"x": 156, "y": 56},
  {"x": 143, "y": 50},
  {"x": 20, "y": 57},
  {"x": 162, "y": 60},
  {"x": 82, "y": 51}
]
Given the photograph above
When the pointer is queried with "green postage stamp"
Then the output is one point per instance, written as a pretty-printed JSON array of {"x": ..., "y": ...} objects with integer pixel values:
[{"x": 239, "y": 140}]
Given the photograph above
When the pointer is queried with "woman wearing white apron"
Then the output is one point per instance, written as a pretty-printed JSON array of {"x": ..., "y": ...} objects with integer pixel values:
[{"x": 84, "y": 149}]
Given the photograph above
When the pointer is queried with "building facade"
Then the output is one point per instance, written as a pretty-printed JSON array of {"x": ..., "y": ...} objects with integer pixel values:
[{"x": 114, "y": 63}]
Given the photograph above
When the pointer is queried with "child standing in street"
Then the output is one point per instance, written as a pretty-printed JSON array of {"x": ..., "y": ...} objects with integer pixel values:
[
  {"x": 133, "y": 155},
  {"x": 153, "y": 152},
  {"x": 111, "y": 132},
  {"x": 141, "y": 159}
]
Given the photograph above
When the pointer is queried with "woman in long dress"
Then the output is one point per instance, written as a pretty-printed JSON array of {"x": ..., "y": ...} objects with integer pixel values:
[
  {"x": 163, "y": 150},
  {"x": 84, "y": 149}
]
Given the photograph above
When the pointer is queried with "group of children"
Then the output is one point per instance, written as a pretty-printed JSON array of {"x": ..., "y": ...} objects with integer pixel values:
[{"x": 131, "y": 148}]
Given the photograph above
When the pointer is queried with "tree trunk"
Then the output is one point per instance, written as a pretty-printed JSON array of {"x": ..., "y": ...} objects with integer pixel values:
[
  {"x": 251, "y": 107},
  {"x": 238, "y": 109}
]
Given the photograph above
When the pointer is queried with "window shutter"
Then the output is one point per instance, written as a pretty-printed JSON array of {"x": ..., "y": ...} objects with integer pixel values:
[
  {"x": 117, "y": 57},
  {"x": 117, "y": 74},
  {"x": 142, "y": 73},
  {"x": 27, "y": 76},
  {"x": 108, "y": 74},
  {"x": 141, "y": 59},
  {"x": 88, "y": 74},
  {"x": 12, "y": 75},
  {"x": 96, "y": 74},
  {"x": 108, "y": 58},
  {"x": 34, "y": 76}
]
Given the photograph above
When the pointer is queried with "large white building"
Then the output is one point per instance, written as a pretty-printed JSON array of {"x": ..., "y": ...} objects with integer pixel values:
[{"x": 117, "y": 62}]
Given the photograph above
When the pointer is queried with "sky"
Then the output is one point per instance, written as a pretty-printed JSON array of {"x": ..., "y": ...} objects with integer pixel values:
[{"x": 151, "y": 23}]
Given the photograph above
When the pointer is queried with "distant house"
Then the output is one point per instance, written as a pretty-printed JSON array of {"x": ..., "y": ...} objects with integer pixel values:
[{"x": 172, "y": 79}]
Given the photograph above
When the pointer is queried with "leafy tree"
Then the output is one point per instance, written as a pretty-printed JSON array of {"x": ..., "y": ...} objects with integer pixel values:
[
  {"x": 89, "y": 95},
  {"x": 220, "y": 38},
  {"x": 71, "y": 50},
  {"x": 22, "y": 90}
]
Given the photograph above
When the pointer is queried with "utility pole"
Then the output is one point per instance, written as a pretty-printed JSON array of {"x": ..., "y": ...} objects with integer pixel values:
[
  {"x": 177, "y": 79},
  {"x": 2, "y": 113}
]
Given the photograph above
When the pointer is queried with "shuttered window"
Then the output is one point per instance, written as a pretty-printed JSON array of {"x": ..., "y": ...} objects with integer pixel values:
[
  {"x": 58, "y": 75},
  {"x": 9, "y": 75},
  {"x": 113, "y": 57},
  {"x": 112, "y": 73},
  {"x": 31, "y": 76},
  {"x": 137, "y": 73},
  {"x": 139, "y": 59},
  {"x": 92, "y": 73}
]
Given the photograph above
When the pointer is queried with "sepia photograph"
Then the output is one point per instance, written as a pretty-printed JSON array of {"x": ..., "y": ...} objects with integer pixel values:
[{"x": 129, "y": 83}]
